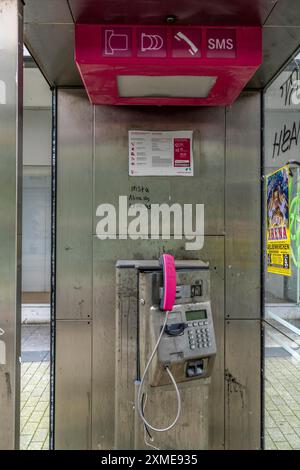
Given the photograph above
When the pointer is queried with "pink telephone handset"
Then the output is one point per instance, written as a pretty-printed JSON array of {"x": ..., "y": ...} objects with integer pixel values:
[{"x": 169, "y": 273}]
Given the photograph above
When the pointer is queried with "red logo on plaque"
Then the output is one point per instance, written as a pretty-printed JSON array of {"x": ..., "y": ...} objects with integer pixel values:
[{"x": 182, "y": 152}]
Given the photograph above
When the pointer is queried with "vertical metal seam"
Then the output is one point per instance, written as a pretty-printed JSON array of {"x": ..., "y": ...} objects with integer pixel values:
[
  {"x": 138, "y": 358},
  {"x": 18, "y": 222},
  {"x": 262, "y": 274},
  {"x": 92, "y": 232},
  {"x": 53, "y": 266},
  {"x": 225, "y": 277}
]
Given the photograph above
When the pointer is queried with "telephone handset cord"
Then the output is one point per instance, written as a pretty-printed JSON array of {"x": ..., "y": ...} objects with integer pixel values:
[{"x": 139, "y": 397}]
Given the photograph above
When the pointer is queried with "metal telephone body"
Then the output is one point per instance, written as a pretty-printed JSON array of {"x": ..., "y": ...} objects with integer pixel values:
[{"x": 189, "y": 354}]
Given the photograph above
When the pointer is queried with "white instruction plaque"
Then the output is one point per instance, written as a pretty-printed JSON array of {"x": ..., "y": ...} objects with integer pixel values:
[{"x": 160, "y": 153}]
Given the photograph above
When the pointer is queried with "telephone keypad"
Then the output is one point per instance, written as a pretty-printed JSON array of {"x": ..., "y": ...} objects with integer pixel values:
[{"x": 199, "y": 336}]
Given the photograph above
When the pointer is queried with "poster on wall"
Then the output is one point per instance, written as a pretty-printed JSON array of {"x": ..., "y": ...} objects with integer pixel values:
[
  {"x": 278, "y": 223},
  {"x": 160, "y": 153}
]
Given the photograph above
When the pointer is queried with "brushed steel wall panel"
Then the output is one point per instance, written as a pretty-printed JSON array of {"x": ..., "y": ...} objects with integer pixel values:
[
  {"x": 106, "y": 253},
  {"x": 73, "y": 385},
  {"x": 205, "y": 187},
  {"x": 126, "y": 349},
  {"x": 242, "y": 384},
  {"x": 243, "y": 208},
  {"x": 74, "y": 206},
  {"x": 81, "y": 191},
  {"x": 11, "y": 93}
]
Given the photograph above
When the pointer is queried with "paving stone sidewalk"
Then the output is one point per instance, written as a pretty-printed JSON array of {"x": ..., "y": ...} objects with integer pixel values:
[{"x": 282, "y": 403}]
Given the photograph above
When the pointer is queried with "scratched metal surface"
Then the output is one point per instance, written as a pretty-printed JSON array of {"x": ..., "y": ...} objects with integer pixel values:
[
  {"x": 213, "y": 251},
  {"x": 73, "y": 385},
  {"x": 74, "y": 206},
  {"x": 243, "y": 207},
  {"x": 205, "y": 187},
  {"x": 242, "y": 384},
  {"x": 79, "y": 181}
]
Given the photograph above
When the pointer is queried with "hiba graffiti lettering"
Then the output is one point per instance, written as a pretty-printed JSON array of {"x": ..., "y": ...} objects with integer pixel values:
[
  {"x": 287, "y": 137},
  {"x": 136, "y": 221}
]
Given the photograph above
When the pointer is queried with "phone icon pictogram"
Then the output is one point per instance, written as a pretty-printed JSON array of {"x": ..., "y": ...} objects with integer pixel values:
[
  {"x": 193, "y": 49},
  {"x": 186, "y": 42}
]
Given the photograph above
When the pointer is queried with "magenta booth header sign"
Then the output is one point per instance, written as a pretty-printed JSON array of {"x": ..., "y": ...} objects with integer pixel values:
[{"x": 228, "y": 56}]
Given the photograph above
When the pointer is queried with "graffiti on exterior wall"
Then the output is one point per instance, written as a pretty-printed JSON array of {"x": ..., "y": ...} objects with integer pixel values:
[
  {"x": 286, "y": 138},
  {"x": 290, "y": 88}
]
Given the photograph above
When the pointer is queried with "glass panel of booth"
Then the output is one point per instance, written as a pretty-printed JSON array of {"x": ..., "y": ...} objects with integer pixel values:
[
  {"x": 282, "y": 292},
  {"x": 281, "y": 145}
]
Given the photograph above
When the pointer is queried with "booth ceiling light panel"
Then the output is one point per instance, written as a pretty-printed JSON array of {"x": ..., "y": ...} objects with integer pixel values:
[{"x": 166, "y": 65}]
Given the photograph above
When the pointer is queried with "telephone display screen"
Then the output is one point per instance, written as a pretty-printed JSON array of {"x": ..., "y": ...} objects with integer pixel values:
[{"x": 195, "y": 315}]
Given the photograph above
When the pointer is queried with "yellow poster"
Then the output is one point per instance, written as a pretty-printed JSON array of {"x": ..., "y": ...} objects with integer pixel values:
[{"x": 278, "y": 223}]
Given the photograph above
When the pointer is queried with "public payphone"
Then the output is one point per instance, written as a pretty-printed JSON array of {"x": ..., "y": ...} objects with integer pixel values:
[
  {"x": 177, "y": 347},
  {"x": 188, "y": 344}
]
